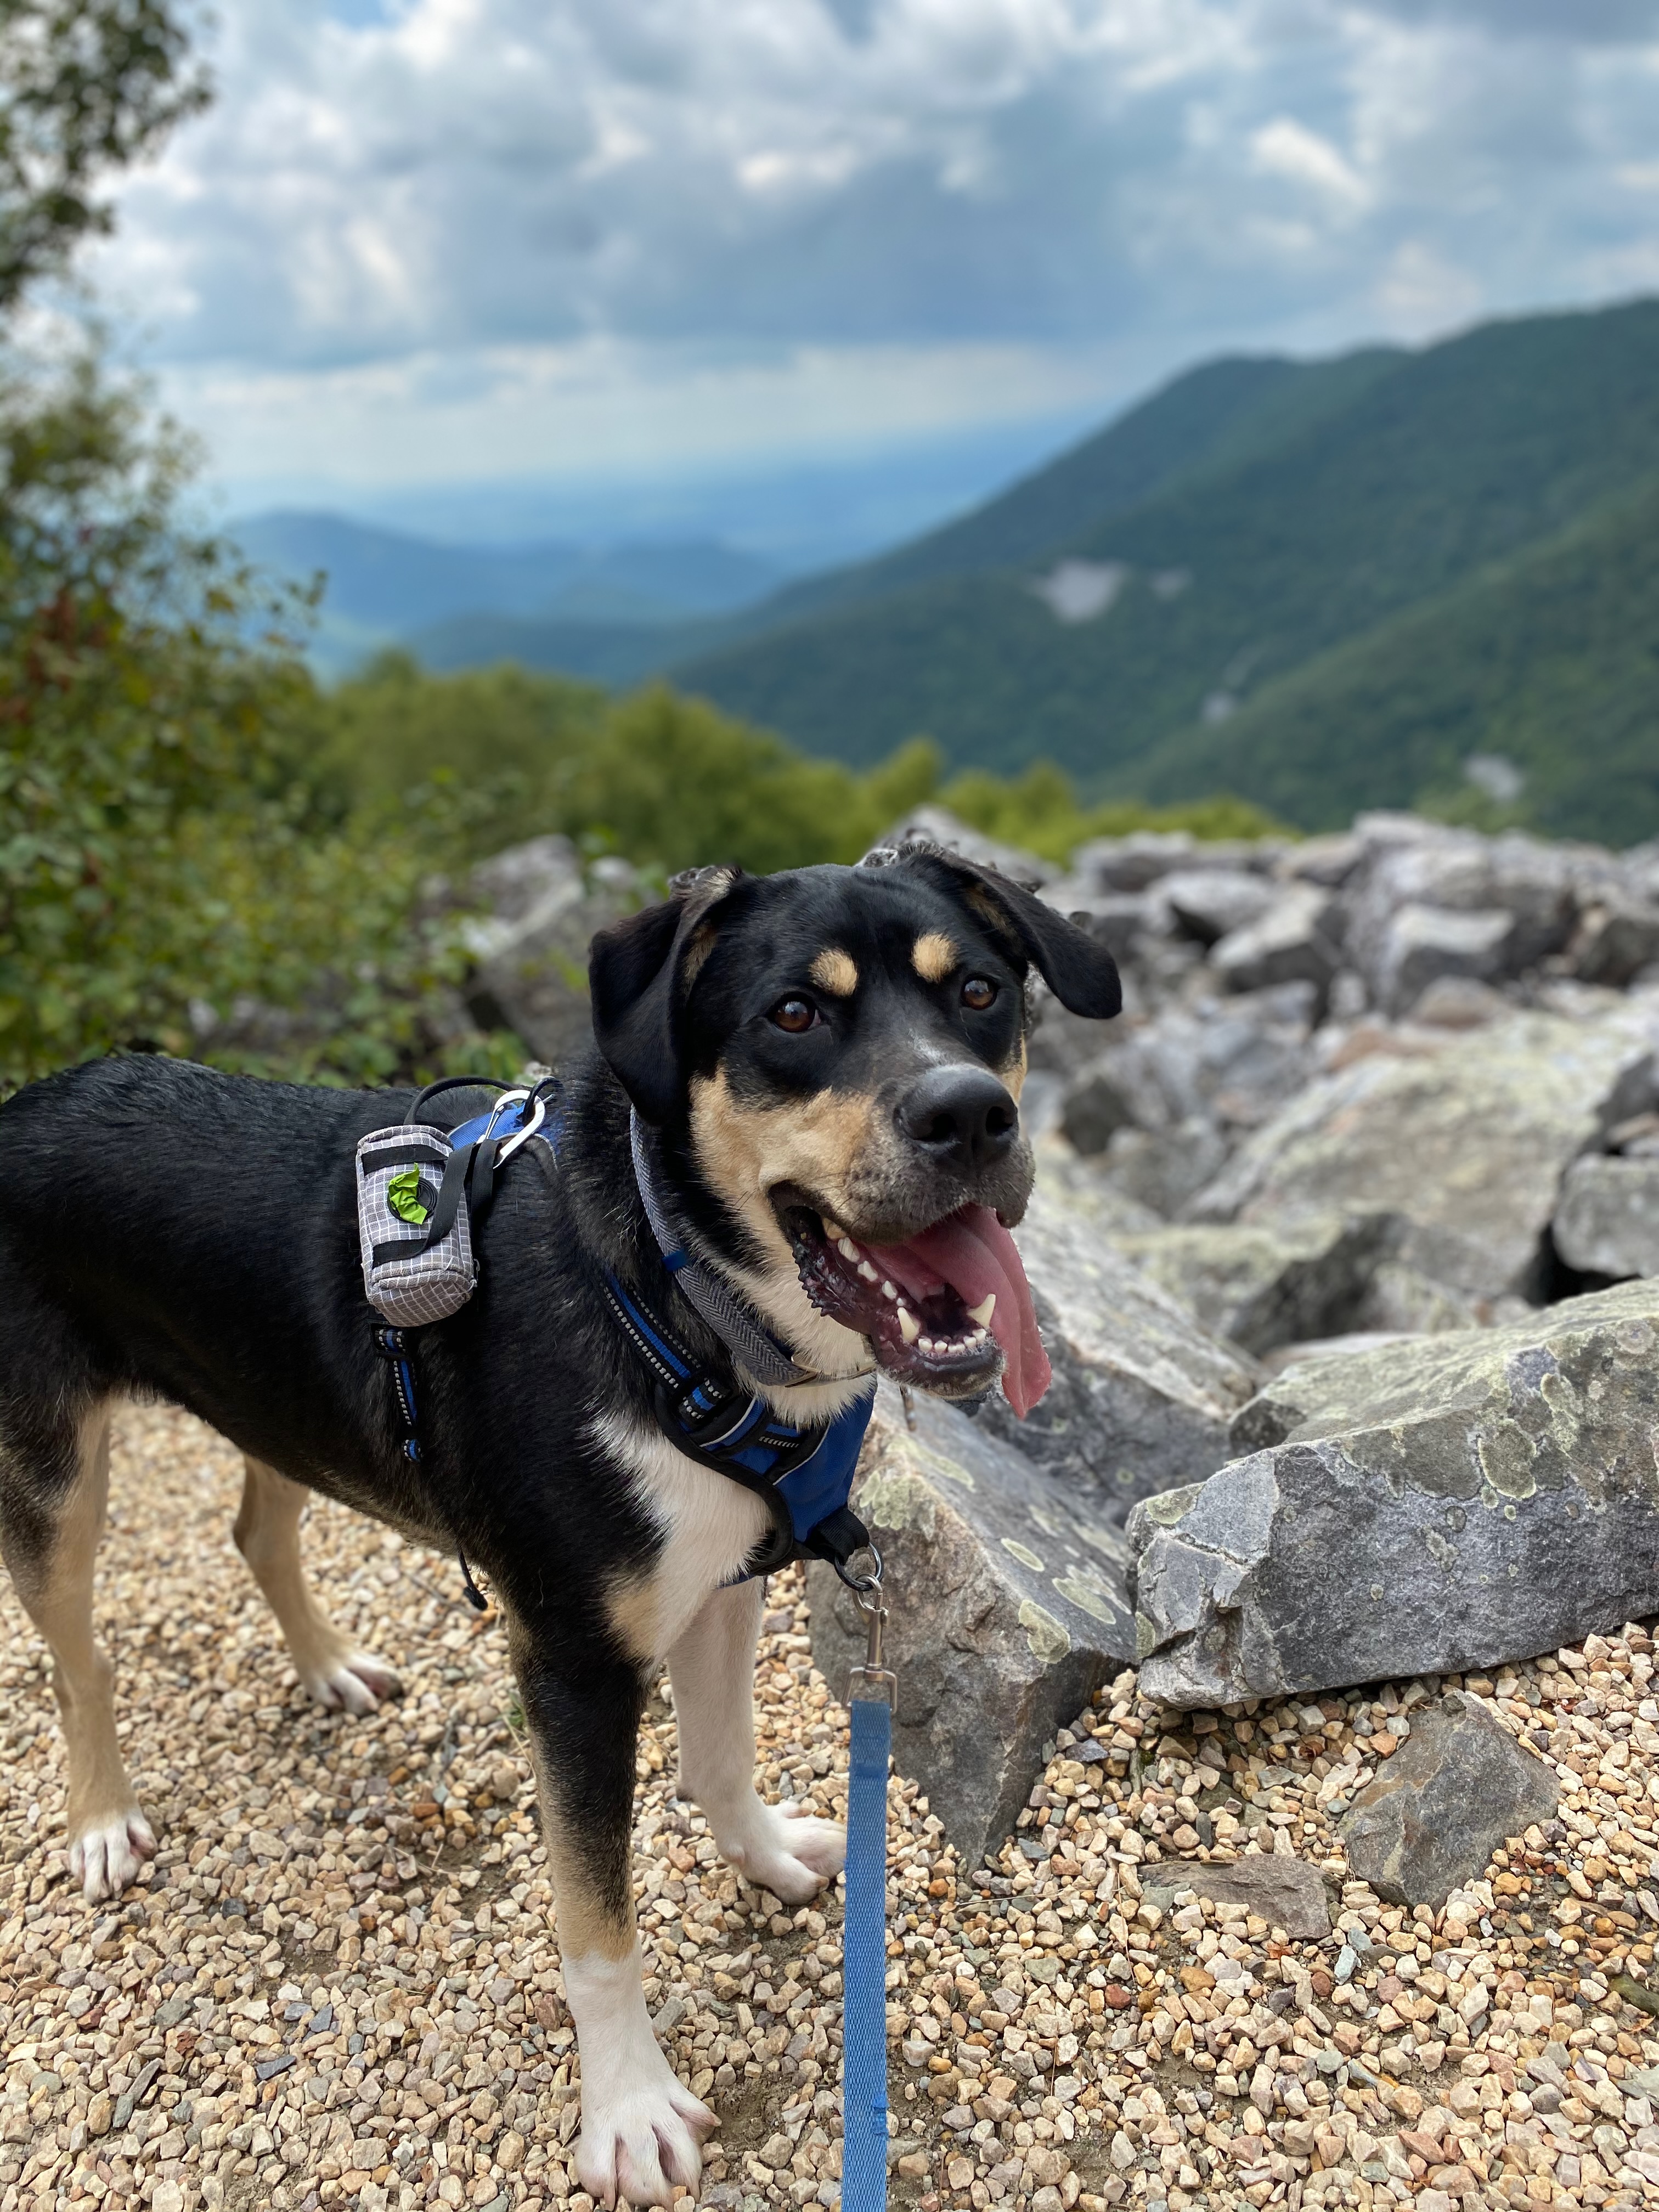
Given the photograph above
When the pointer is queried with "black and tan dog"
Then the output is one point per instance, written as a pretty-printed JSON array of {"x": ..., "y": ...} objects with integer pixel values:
[{"x": 831, "y": 1061}]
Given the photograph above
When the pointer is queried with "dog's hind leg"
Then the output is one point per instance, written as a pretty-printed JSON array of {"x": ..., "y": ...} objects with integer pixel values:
[
  {"x": 641, "y": 2128},
  {"x": 50, "y": 1535},
  {"x": 330, "y": 1667},
  {"x": 712, "y": 1669}
]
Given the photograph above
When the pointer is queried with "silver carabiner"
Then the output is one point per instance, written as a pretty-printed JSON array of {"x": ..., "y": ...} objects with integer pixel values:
[
  {"x": 874, "y": 1678},
  {"x": 523, "y": 1136}
]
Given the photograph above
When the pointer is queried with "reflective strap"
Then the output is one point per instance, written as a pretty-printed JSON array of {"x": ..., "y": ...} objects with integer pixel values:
[{"x": 864, "y": 2005}]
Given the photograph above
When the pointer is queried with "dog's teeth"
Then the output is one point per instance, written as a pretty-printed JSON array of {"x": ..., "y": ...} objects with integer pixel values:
[
  {"x": 867, "y": 1271},
  {"x": 982, "y": 1313},
  {"x": 909, "y": 1327},
  {"x": 888, "y": 1291},
  {"x": 846, "y": 1247},
  {"x": 832, "y": 1230}
]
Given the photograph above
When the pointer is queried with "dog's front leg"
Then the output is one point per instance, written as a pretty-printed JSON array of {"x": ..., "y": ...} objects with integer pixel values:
[
  {"x": 641, "y": 2129},
  {"x": 713, "y": 1670}
]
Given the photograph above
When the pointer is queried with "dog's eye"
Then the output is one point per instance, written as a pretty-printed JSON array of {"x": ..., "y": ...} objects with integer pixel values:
[
  {"x": 794, "y": 1015},
  {"x": 979, "y": 992}
]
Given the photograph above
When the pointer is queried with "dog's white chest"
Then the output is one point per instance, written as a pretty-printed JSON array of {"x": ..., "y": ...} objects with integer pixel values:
[{"x": 710, "y": 1525}]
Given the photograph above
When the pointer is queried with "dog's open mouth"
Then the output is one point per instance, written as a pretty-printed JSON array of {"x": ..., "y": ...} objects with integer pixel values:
[{"x": 944, "y": 1310}]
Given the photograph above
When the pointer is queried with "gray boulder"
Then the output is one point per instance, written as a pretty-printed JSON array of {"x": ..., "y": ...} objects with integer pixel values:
[
  {"x": 1458, "y": 1002},
  {"x": 1007, "y": 1611},
  {"x": 1209, "y": 904},
  {"x": 940, "y": 827},
  {"x": 1267, "y": 1287},
  {"x": 1162, "y": 1169},
  {"x": 1459, "y": 1787},
  {"x": 1118, "y": 1090},
  {"x": 1419, "y": 944},
  {"x": 1537, "y": 887},
  {"x": 1147, "y": 856},
  {"x": 1616, "y": 938},
  {"x": 1607, "y": 1221},
  {"x": 1291, "y": 943},
  {"x": 1231, "y": 1060},
  {"x": 1142, "y": 1396},
  {"x": 1433, "y": 1505},
  {"x": 511, "y": 884},
  {"x": 1469, "y": 1146},
  {"x": 531, "y": 951}
]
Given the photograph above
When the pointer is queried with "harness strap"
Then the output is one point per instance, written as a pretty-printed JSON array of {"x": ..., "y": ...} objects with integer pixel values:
[
  {"x": 804, "y": 1475},
  {"x": 737, "y": 1328},
  {"x": 393, "y": 1345}
]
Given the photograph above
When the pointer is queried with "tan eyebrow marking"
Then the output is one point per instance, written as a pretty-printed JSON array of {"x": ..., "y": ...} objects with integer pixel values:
[
  {"x": 836, "y": 971},
  {"x": 933, "y": 956}
]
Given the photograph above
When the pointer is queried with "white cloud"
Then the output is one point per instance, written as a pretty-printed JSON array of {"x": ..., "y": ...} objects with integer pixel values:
[
  {"x": 1285, "y": 148},
  {"x": 777, "y": 219}
]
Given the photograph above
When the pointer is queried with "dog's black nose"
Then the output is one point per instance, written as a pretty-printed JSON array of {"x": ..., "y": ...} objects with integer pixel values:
[{"x": 962, "y": 1115}]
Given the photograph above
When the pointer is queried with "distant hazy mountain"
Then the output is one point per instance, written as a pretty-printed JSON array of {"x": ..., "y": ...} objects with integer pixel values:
[{"x": 385, "y": 585}]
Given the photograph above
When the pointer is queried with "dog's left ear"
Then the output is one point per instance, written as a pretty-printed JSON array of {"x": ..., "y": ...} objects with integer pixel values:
[
  {"x": 1080, "y": 972},
  {"x": 639, "y": 972}
]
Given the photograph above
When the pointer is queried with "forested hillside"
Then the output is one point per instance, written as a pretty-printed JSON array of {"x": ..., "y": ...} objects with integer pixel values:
[{"x": 1316, "y": 584}]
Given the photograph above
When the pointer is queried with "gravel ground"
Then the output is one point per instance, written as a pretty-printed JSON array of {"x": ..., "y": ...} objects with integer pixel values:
[{"x": 337, "y": 1985}]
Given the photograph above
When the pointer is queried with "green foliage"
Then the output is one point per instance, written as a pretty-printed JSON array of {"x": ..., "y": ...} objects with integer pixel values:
[
  {"x": 177, "y": 868},
  {"x": 171, "y": 858},
  {"x": 86, "y": 87},
  {"x": 496, "y": 755},
  {"x": 1039, "y": 809}
]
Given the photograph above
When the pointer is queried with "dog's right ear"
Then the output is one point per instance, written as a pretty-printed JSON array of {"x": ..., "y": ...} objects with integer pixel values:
[{"x": 639, "y": 972}]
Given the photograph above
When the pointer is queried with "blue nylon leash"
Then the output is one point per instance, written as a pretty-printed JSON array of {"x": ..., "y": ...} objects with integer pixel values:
[{"x": 864, "y": 1936}]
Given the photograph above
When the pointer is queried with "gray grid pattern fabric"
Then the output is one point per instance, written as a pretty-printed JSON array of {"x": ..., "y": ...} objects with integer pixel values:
[{"x": 428, "y": 1285}]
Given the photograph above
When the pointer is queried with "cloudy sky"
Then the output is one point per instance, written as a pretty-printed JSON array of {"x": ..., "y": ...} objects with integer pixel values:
[{"x": 419, "y": 241}]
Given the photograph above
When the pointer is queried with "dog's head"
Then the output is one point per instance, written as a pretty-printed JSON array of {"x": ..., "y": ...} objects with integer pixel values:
[{"x": 837, "y": 1054}]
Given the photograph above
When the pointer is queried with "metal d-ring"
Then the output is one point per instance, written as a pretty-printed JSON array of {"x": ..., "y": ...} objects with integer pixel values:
[{"x": 862, "y": 1585}]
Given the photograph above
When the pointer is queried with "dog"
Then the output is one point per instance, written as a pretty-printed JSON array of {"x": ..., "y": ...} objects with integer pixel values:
[{"x": 827, "y": 1063}]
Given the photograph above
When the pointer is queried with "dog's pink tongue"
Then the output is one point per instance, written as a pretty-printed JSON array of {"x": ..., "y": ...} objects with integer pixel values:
[{"x": 972, "y": 1252}]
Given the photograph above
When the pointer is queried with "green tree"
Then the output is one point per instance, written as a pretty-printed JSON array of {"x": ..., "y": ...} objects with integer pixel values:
[
  {"x": 177, "y": 867},
  {"x": 87, "y": 87}
]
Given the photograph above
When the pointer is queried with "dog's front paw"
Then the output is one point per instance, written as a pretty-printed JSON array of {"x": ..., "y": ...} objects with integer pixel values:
[
  {"x": 108, "y": 1853},
  {"x": 641, "y": 2138},
  {"x": 349, "y": 1681},
  {"x": 789, "y": 1851}
]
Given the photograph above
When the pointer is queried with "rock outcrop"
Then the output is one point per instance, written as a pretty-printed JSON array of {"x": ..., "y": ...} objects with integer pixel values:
[
  {"x": 1433, "y": 1505},
  {"x": 1143, "y": 1395},
  {"x": 1470, "y": 1146},
  {"x": 1007, "y": 1603}
]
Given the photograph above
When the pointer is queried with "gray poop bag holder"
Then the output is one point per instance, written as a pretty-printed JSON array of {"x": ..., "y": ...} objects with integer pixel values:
[{"x": 421, "y": 1193}]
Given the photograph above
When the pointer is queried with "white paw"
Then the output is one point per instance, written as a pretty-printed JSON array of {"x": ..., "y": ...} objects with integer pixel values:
[
  {"x": 107, "y": 1856},
  {"x": 641, "y": 2137},
  {"x": 789, "y": 1851},
  {"x": 355, "y": 1682}
]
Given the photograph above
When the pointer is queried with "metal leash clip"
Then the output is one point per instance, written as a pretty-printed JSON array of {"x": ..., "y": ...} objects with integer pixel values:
[{"x": 871, "y": 1680}]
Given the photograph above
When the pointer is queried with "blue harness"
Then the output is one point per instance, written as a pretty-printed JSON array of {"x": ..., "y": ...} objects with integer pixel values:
[{"x": 804, "y": 1475}]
